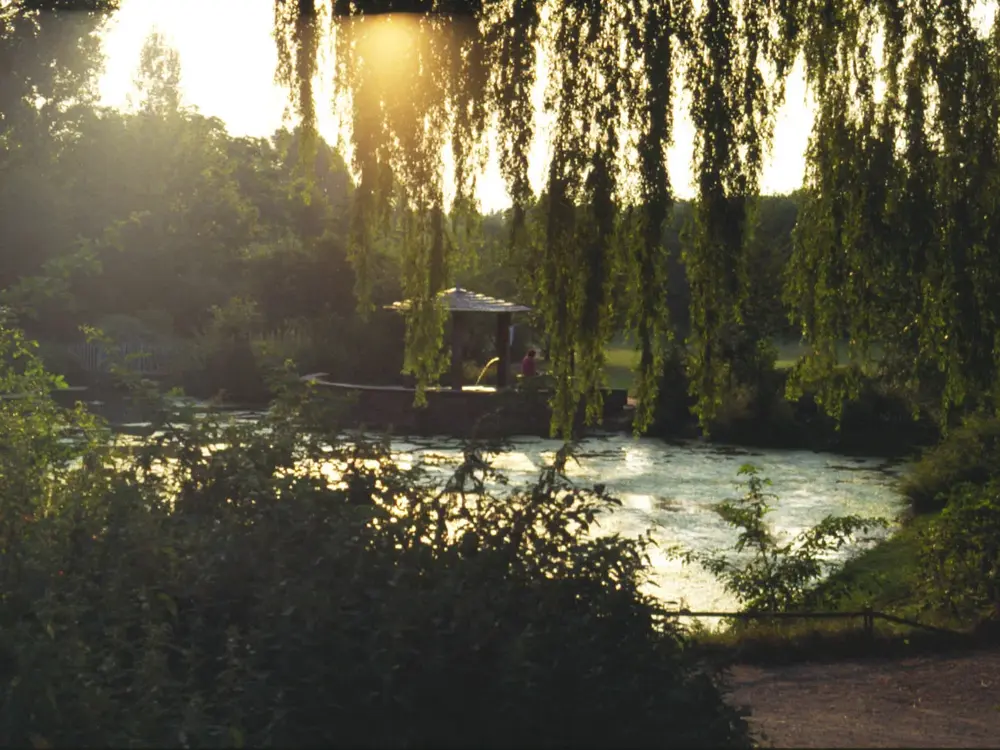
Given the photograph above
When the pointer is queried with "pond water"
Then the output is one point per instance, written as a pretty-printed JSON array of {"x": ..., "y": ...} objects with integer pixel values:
[{"x": 670, "y": 490}]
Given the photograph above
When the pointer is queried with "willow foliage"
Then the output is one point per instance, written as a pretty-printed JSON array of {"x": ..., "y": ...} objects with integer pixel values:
[{"x": 897, "y": 241}]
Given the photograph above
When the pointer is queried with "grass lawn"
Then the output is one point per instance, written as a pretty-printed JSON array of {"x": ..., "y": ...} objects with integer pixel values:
[
  {"x": 621, "y": 359},
  {"x": 790, "y": 351},
  {"x": 619, "y": 365}
]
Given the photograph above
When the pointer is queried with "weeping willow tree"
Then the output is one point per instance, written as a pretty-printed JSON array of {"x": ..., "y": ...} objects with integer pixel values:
[{"x": 897, "y": 244}]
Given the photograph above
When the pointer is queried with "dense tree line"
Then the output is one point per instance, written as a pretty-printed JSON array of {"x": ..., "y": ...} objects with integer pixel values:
[
  {"x": 499, "y": 269},
  {"x": 157, "y": 223}
]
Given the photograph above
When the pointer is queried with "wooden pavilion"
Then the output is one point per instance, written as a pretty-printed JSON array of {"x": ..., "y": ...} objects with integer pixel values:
[
  {"x": 463, "y": 305},
  {"x": 458, "y": 410}
]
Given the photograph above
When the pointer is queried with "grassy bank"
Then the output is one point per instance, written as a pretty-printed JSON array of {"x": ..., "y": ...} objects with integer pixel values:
[
  {"x": 939, "y": 569},
  {"x": 831, "y": 642},
  {"x": 885, "y": 578}
]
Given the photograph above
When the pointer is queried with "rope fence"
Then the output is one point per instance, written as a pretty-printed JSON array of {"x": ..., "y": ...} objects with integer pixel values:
[{"x": 869, "y": 616}]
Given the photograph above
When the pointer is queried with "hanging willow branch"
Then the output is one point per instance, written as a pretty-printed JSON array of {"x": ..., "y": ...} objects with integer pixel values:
[
  {"x": 296, "y": 33},
  {"x": 651, "y": 107},
  {"x": 510, "y": 30},
  {"x": 412, "y": 79},
  {"x": 731, "y": 113}
]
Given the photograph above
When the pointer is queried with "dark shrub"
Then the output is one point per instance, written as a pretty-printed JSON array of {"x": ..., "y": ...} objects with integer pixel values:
[
  {"x": 877, "y": 422},
  {"x": 960, "y": 552},
  {"x": 673, "y": 401},
  {"x": 970, "y": 453}
]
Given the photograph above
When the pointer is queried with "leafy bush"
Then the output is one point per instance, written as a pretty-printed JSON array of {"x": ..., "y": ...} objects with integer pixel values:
[
  {"x": 769, "y": 574},
  {"x": 881, "y": 420},
  {"x": 960, "y": 552},
  {"x": 970, "y": 453},
  {"x": 266, "y": 584},
  {"x": 878, "y": 420},
  {"x": 59, "y": 359},
  {"x": 294, "y": 340},
  {"x": 151, "y": 326}
]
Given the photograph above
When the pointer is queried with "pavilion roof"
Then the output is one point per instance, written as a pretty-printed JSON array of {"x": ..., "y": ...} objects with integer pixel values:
[{"x": 458, "y": 299}]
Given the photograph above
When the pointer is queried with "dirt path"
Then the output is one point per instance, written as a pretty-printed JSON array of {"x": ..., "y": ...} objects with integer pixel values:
[{"x": 925, "y": 701}]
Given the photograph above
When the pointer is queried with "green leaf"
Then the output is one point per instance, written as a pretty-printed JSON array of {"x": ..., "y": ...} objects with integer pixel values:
[
  {"x": 236, "y": 737},
  {"x": 170, "y": 604}
]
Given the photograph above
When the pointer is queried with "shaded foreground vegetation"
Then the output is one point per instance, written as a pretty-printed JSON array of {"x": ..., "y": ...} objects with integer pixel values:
[
  {"x": 139, "y": 607},
  {"x": 210, "y": 585}
]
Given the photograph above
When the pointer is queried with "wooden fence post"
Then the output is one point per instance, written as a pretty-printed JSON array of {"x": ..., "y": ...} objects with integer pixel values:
[{"x": 869, "y": 620}]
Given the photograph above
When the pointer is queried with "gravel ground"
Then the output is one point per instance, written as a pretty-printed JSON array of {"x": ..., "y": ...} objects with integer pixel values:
[{"x": 936, "y": 700}]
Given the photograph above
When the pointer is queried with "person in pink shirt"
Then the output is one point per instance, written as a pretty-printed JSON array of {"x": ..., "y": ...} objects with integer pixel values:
[{"x": 528, "y": 364}]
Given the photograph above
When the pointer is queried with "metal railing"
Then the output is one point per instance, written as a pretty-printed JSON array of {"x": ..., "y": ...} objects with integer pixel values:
[
  {"x": 868, "y": 617},
  {"x": 135, "y": 356}
]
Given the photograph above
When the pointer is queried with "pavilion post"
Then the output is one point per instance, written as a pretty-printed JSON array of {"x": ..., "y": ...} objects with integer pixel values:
[
  {"x": 503, "y": 348},
  {"x": 457, "y": 331}
]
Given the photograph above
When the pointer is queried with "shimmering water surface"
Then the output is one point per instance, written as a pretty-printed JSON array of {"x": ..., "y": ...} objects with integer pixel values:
[{"x": 671, "y": 490}]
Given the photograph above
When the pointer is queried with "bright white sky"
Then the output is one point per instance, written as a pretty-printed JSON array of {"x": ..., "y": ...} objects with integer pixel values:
[{"x": 229, "y": 58}]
